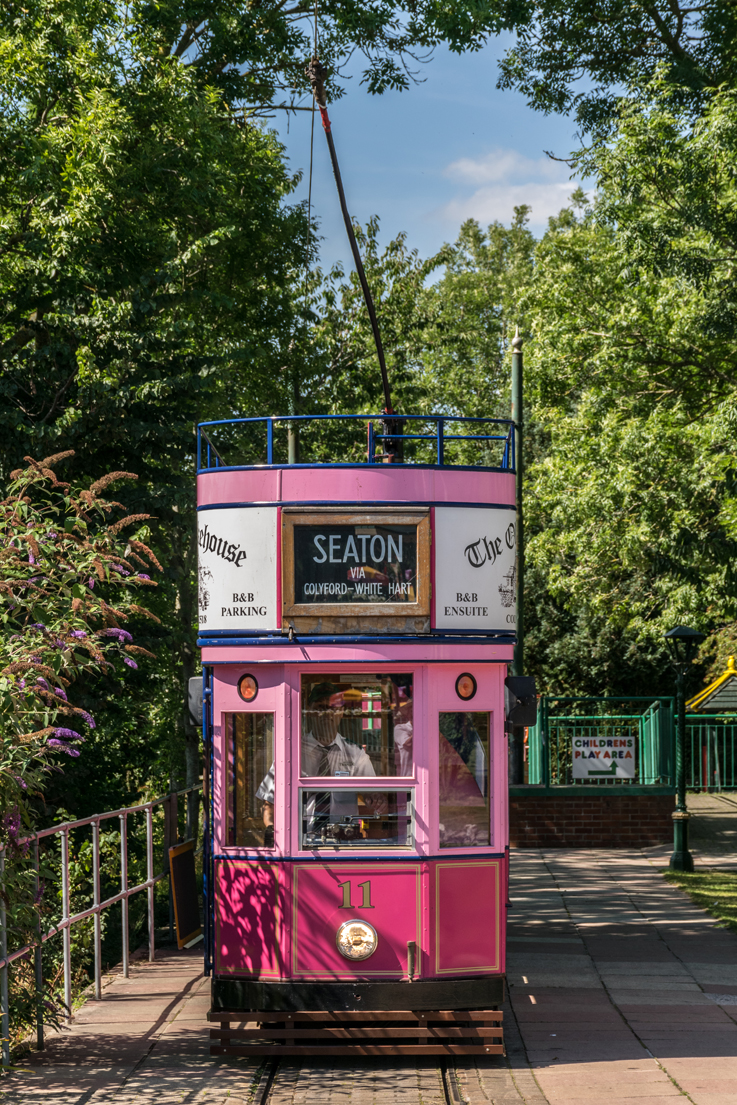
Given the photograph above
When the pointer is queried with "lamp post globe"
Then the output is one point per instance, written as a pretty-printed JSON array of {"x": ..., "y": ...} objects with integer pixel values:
[{"x": 683, "y": 644}]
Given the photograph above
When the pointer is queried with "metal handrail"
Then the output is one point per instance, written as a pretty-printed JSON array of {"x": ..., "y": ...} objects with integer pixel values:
[
  {"x": 66, "y": 921},
  {"x": 440, "y": 437}
]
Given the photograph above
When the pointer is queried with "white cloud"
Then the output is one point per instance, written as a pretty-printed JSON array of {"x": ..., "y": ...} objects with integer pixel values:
[
  {"x": 498, "y": 203},
  {"x": 506, "y": 179},
  {"x": 505, "y": 165}
]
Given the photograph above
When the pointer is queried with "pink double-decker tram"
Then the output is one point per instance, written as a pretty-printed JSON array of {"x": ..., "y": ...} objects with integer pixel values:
[{"x": 356, "y": 622}]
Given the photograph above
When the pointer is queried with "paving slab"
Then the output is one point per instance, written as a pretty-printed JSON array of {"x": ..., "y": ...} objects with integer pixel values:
[{"x": 638, "y": 986}]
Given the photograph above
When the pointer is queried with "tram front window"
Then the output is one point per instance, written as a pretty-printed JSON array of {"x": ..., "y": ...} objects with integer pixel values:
[
  {"x": 250, "y": 744},
  {"x": 356, "y": 819},
  {"x": 464, "y": 780},
  {"x": 356, "y": 725}
]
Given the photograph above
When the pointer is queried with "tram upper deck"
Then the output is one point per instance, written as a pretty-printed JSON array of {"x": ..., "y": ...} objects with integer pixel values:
[{"x": 356, "y": 622}]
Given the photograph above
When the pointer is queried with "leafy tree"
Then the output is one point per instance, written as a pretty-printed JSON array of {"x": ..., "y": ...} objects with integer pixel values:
[
  {"x": 146, "y": 261},
  {"x": 631, "y": 389},
  {"x": 575, "y": 56},
  {"x": 257, "y": 53}
]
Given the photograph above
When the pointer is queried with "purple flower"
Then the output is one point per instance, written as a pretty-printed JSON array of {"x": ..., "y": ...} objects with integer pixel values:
[
  {"x": 78, "y": 633},
  {"x": 11, "y": 825},
  {"x": 21, "y": 782},
  {"x": 131, "y": 663},
  {"x": 63, "y": 747},
  {"x": 121, "y": 569},
  {"x": 67, "y": 734},
  {"x": 31, "y": 558},
  {"x": 38, "y": 625},
  {"x": 119, "y": 634},
  {"x": 91, "y": 583},
  {"x": 40, "y": 679},
  {"x": 39, "y": 892},
  {"x": 142, "y": 575},
  {"x": 88, "y": 718},
  {"x": 52, "y": 535},
  {"x": 61, "y": 693}
]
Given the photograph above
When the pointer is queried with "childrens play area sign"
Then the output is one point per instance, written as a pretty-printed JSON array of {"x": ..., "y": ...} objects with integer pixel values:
[{"x": 603, "y": 757}]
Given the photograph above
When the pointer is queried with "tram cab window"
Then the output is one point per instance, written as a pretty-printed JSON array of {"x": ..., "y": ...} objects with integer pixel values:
[
  {"x": 250, "y": 744},
  {"x": 356, "y": 725},
  {"x": 464, "y": 780},
  {"x": 357, "y": 819}
]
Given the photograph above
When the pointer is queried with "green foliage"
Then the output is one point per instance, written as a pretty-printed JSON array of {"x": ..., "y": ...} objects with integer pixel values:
[
  {"x": 68, "y": 578},
  {"x": 630, "y": 373},
  {"x": 575, "y": 56},
  {"x": 146, "y": 262},
  {"x": 256, "y": 53},
  {"x": 63, "y": 560}
]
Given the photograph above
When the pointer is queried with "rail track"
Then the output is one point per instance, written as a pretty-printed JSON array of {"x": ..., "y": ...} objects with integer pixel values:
[{"x": 269, "y": 1074}]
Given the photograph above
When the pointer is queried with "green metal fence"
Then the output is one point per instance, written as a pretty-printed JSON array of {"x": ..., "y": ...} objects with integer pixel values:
[
  {"x": 646, "y": 721},
  {"x": 711, "y": 742},
  {"x": 710, "y": 751}
]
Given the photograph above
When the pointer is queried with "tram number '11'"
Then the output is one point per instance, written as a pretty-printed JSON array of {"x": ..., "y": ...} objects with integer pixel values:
[{"x": 364, "y": 887}]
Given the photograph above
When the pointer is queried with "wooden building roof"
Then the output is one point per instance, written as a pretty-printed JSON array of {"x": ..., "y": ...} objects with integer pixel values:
[{"x": 720, "y": 696}]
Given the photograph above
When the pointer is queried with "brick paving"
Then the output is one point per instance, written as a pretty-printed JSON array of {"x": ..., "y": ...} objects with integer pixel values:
[{"x": 620, "y": 990}]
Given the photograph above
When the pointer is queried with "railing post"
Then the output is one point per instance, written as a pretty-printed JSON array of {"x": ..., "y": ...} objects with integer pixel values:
[
  {"x": 441, "y": 442},
  {"x": 124, "y": 888},
  {"x": 96, "y": 903},
  {"x": 4, "y": 998},
  {"x": 38, "y": 968},
  {"x": 66, "y": 933},
  {"x": 545, "y": 746},
  {"x": 150, "y": 880},
  {"x": 371, "y": 444},
  {"x": 270, "y": 441}
]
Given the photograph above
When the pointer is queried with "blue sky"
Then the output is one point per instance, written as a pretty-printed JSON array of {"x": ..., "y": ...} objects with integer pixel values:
[{"x": 451, "y": 148}]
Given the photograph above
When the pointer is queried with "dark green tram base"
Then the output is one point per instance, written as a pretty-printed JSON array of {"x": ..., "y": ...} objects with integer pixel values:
[{"x": 245, "y": 995}]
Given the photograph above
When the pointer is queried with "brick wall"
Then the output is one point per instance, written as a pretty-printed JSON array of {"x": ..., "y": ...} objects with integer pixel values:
[{"x": 590, "y": 821}]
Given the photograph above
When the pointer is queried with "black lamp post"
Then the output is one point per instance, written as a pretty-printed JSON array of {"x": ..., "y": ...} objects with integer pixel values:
[{"x": 682, "y": 645}]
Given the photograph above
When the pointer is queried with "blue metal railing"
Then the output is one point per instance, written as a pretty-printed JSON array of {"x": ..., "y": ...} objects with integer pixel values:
[{"x": 209, "y": 457}]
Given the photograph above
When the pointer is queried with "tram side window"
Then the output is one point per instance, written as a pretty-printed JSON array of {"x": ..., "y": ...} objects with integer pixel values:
[
  {"x": 351, "y": 819},
  {"x": 356, "y": 725},
  {"x": 464, "y": 780},
  {"x": 250, "y": 744}
]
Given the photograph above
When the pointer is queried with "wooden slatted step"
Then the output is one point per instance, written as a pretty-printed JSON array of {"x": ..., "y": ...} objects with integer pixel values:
[{"x": 357, "y": 1032}]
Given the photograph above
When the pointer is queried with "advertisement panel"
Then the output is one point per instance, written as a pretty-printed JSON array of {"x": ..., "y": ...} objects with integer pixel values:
[
  {"x": 237, "y": 569},
  {"x": 475, "y": 568}
]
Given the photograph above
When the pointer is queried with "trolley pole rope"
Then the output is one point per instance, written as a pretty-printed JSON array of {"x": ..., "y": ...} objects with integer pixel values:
[{"x": 317, "y": 73}]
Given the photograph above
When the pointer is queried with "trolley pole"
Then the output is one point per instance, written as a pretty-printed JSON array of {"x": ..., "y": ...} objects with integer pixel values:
[{"x": 517, "y": 739}]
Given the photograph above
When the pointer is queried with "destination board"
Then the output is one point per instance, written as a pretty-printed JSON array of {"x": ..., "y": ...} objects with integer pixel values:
[{"x": 355, "y": 563}]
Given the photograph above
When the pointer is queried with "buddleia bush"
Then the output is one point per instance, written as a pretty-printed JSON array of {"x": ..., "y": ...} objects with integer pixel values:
[{"x": 72, "y": 567}]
